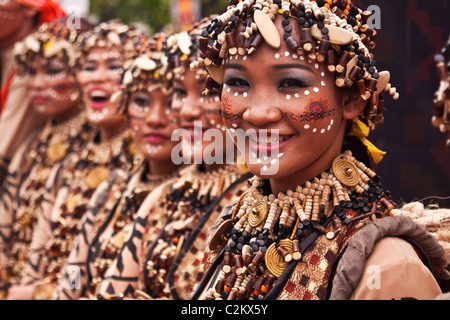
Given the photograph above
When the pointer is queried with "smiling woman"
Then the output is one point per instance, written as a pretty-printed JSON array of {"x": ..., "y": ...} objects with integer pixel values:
[
  {"x": 46, "y": 60},
  {"x": 304, "y": 70}
]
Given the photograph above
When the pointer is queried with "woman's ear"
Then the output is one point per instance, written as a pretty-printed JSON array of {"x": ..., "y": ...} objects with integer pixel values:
[{"x": 352, "y": 103}]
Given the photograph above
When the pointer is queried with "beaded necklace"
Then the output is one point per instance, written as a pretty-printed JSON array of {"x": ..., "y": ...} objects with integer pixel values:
[
  {"x": 120, "y": 209},
  {"x": 51, "y": 147},
  {"x": 266, "y": 233},
  {"x": 81, "y": 178},
  {"x": 184, "y": 207}
]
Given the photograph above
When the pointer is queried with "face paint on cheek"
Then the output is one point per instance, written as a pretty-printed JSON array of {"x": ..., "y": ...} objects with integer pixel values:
[
  {"x": 226, "y": 113},
  {"x": 314, "y": 114}
]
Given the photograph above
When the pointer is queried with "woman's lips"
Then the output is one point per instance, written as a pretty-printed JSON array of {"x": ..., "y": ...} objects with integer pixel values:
[
  {"x": 98, "y": 98},
  {"x": 156, "y": 138},
  {"x": 38, "y": 100},
  {"x": 267, "y": 144}
]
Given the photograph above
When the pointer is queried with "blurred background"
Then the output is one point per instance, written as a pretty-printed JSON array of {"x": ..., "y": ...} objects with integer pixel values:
[{"x": 411, "y": 32}]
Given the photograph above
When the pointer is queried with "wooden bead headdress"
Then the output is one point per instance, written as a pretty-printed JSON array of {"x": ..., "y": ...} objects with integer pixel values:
[
  {"x": 441, "y": 109},
  {"x": 51, "y": 40},
  {"x": 185, "y": 49},
  {"x": 148, "y": 70},
  {"x": 334, "y": 32},
  {"x": 108, "y": 35}
]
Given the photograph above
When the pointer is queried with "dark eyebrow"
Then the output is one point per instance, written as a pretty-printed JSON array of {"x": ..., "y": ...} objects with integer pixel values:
[
  {"x": 276, "y": 67},
  {"x": 235, "y": 66},
  {"x": 292, "y": 65}
]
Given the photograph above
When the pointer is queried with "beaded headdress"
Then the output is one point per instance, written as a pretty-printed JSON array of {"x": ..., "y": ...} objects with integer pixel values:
[
  {"x": 441, "y": 110},
  {"x": 334, "y": 32},
  {"x": 111, "y": 34},
  {"x": 185, "y": 49},
  {"x": 148, "y": 70},
  {"x": 51, "y": 40}
]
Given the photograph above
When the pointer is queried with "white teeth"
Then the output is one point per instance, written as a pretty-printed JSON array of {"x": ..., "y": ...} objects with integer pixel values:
[
  {"x": 269, "y": 140},
  {"x": 98, "y": 94}
]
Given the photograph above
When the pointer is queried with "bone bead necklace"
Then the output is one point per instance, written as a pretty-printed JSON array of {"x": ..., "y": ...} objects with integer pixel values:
[{"x": 264, "y": 232}]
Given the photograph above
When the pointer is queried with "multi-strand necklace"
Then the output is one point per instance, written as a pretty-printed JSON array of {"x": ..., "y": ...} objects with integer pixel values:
[
  {"x": 185, "y": 206},
  {"x": 54, "y": 143},
  {"x": 81, "y": 178},
  {"x": 118, "y": 211},
  {"x": 266, "y": 232}
]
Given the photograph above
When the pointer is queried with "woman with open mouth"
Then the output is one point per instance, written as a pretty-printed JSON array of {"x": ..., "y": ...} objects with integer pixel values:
[
  {"x": 299, "y": 78},
  {"x": 110, "y": 154},
  {"x": 146, "y": 99},
  {"x": 45, "y": 61},
  {"x": 160, "y": 257}
]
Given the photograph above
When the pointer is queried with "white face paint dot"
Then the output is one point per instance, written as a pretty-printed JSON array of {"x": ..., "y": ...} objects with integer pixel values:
[
  {"x": 316, "y": 89},
  {"x": 302, "y": 58},
  {"x": 295, "y": 56},
  {"x": 297, "y": 95},
  {"x": 234, "y": 125},
  {"x": 277, "y": 56},
  {"x": 322, "y": 131},
  {"x": 229, "y": 90},
  {"x": 236, "y": 94},
  {"x": 323, "y": 74},
  {"x": 322, "y": 83},
  {"x": 332, "y": 121},
  {"x": 315, "y": 130},
  {"x": 288, "y": 97},
  {"x": 306, "y": 126},
  {"x": 244, "y": 58},
  {"x": 316, "y": 66},
  {"x": 245, "y": 94},
  {"x": 307, "y": 92},
  {"x": 213, "y": 122},
  {"x": 286, "y": 54},
  {"x": 329, "y": 127}
]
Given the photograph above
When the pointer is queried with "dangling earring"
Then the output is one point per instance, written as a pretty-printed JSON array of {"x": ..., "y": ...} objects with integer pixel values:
[{"x": 74, "y": 96}]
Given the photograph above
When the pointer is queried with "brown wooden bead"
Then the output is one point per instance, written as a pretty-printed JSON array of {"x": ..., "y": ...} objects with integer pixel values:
[
  {"x": 268, "y": 283},
  {"x": 324, "y": 45},
  {"x": 284, "y": 253},
  {"x": 231, "y": 40},
  {"x": 306, "y": 39},
  {"x": 237, "y": 260}
]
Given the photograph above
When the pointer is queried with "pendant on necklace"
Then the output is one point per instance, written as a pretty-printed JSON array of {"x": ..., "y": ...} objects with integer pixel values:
[
  {"x": 56, "y": 151},
  {"x": 97, "y": 176}
]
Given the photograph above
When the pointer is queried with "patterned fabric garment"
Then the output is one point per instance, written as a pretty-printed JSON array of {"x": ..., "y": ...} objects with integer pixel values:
[
  {"x": 166, "y": 219},
  {"x": 59, "y": 223},
  {"x": 103, "y": 231},
  {"x": 24, "y": 188}
]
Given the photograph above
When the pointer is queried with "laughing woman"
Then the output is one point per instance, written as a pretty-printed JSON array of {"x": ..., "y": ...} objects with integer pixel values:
[
  {"x": 46, "y": 62},
  {"x": 110, "y": 153},
  {"x": 146, "y": 99},
  {"x": 160, "y": 257},
  {"x": 315, "y": 227}
]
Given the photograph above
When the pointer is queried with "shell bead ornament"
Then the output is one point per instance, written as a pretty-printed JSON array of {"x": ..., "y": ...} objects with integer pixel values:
[{"x": 334, "y": 32}]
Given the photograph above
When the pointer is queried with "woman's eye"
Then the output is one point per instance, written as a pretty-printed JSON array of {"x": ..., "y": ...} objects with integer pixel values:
[
  {"x": 31, "y": 72},
  {"x": 237, "y": 83},
  {"x": 142, "y": 102},
  {"x": 53, "y": 71},
  {"x": 292, "y": 84},
  {"x": 115, "y": 67},
  {"x": 179, "y": 92},
  {"x": 89, "y": 68}
]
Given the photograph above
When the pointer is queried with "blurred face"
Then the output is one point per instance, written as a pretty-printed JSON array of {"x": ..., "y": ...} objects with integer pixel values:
[
  {"x": 152, "y": 123},
  {"x": 100, "y": 78},
  {"x": 290, "y": 109},
  {"x": 12, "y": 15},
  {"x": 199, "y": 114},
  {"x": 52, "y": 88}
]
